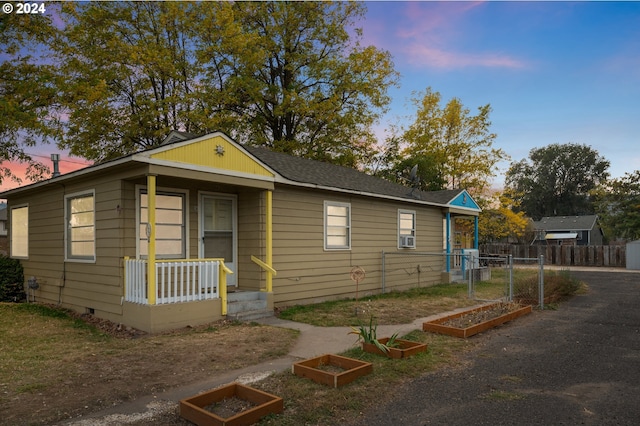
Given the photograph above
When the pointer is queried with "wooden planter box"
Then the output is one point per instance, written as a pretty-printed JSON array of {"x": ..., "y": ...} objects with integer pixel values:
[
  {"x": 406, "y": 348},
  {"x": 351, "y": 369},
  {"x": 436, "y": 326},
  {"x": 193, "y": 408}
]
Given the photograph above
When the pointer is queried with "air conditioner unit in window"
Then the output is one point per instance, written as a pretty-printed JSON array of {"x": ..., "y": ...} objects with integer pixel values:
[{"x": 407, "y": 241}]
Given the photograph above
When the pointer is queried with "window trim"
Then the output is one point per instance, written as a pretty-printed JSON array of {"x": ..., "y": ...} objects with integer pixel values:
[
  {"x": 140, "y": 189},
  {"x": 412, "y": 233},
  {"x": 327, "y": 246},
  {"x": 68, "y": 257},
  {"x": 12, "y": 228}
]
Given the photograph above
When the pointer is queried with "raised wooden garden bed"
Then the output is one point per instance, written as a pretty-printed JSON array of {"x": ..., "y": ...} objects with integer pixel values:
[
  {"x": 440, "y": 325},
  {"x": 332, "y": 370},
  {"x": 404, "y": 349},
  {"x": 199, "y": 409}
]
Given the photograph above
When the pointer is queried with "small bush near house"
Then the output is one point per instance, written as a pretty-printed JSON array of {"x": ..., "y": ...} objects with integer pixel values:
[{"x": 11, "y": 280}]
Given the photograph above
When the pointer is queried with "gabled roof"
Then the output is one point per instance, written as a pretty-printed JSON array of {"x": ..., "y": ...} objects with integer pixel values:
[
  {"x": 567, "y": 223},
  {"x": 329, "y": 175},
  {"x": 282, "y": 168}
]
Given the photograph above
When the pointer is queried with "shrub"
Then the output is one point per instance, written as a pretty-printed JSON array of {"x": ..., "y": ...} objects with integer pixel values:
[
  {"x": 558, "y": 285},
  {"x": 11, "y": 280}
]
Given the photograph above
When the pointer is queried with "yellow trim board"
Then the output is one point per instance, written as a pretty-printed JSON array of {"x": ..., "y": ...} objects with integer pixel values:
[{"x": 215, "y": 152}]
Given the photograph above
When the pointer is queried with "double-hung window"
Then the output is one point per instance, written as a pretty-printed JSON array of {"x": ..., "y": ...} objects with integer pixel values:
[
  {"x": 406, "y": 229},
  {"x": 170, "y": 225},
  {"x": 80, "y": 233},
  {"x": 20, "y": 232},
  {"x": 337, "y": 225}
]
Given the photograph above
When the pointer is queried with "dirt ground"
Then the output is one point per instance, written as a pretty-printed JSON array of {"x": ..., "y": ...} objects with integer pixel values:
[{"x": 131, "y": 364}]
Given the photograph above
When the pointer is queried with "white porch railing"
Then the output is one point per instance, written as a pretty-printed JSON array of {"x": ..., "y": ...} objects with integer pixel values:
[{"x": 177, "y": 281}]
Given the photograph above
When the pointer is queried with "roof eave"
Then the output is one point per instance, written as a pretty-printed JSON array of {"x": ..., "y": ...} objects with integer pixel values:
[{"x": 281, "y": 179}]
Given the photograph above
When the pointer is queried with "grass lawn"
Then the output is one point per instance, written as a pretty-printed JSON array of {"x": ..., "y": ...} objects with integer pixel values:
[{"x": 54, "y": 366}]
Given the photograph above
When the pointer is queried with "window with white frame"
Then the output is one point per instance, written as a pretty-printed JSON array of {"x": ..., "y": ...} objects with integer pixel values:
[
  {"x": 337, "y": 225},
  {"x": 80, "y": 234},
  {"x": 406, "y": 229},
  {"x": 20, "y": 232},
  {"x": 170, "y": 225}
]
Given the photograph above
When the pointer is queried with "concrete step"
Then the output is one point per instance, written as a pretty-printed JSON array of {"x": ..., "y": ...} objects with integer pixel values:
[
  {"x": 250, "y": 315},
  {"x": 247, "y": 305},
  {"x": 239, "y": 295}
]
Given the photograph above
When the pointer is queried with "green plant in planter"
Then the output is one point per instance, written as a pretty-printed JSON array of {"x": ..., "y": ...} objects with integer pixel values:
[{"x": 367, "y": 334}]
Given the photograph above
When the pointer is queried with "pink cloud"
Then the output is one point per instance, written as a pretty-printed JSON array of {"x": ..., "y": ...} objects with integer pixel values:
[
  {"x": 422, "y": 55},
  {"x": 66, "y": 165},
  {"x": 428, "y": 35}
]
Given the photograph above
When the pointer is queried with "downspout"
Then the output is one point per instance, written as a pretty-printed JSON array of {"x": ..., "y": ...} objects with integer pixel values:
[{"x": 151, "y": 235}]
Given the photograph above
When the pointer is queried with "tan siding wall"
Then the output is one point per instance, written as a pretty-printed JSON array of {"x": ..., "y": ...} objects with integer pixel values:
[
  {"x": 307, "y": 273},
  {"x": 251, "y": 232},
  {"x": 77, "y": 285}
]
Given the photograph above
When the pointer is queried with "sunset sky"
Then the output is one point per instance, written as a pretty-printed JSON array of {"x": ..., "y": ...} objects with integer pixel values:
[{"x": 553, "y": 72}]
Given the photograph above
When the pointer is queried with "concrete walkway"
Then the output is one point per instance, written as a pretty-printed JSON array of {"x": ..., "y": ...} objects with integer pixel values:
[{"x": 312, "y": 341}]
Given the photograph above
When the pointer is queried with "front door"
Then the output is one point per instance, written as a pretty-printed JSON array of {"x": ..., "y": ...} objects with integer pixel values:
[{"x": 218, "y": 231}]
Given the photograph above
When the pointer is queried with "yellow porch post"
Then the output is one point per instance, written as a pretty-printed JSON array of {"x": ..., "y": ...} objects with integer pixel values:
[
  {"x": 269, "y": 240},
  {"x": 222, "y": 283},
  {"x": 151, "y": 235}
]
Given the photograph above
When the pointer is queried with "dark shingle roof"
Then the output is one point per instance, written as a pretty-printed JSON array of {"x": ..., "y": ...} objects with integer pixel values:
[
  {"x": 329, "y": 175},
  {"x": 566, "y": 223},
  {"x": 315, "y": 173}
]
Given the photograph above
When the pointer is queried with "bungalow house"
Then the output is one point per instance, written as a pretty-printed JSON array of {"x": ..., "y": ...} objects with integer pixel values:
[
  {"x": 569, "y": 230},
  {"x": 177, "y": 235}
]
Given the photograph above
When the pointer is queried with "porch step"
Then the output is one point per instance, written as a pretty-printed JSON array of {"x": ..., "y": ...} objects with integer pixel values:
[
  {"x": 457, "y": 277},
  {"x": 247, "y": 305}
]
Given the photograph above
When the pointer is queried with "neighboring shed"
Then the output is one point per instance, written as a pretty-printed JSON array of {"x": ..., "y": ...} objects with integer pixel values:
[
  {"x": 157, "y": 239},
  {"x": 633, "y": 255},
  {"x": 577, "y": 230}
]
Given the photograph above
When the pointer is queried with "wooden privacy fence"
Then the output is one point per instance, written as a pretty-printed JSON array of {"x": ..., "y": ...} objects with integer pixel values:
[{"x": 614, "y": 256}]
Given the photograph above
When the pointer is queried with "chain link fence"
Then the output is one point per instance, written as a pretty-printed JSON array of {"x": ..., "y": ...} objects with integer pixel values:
[
  {"x": 520, "y": 284},
  {"x": 488, "y": 278}
]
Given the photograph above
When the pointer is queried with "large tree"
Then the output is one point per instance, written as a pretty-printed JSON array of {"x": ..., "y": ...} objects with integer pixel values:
[
  {"x": 287, "y": 75},
  {"x": 499, "y": 223},
  {"x": 27, "y": 92},
  {"x": 460, "y": 144},
  {"x": 308, "y": 87},
  {"x": 387, "y": 162},
  {"x": 128, "y": 75},
  {"x": 618, "y": 206},
  {"x": 556, "y": 180}
]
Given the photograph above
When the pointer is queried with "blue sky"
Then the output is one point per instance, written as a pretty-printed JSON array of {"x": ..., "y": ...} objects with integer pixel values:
[{"x": 553, "y": 72}]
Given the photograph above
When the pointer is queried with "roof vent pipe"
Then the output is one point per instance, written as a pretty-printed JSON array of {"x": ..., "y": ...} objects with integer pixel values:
[{"x": 56, "y": 159}]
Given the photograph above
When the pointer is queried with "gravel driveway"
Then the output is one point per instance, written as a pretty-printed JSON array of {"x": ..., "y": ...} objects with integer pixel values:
[{"x": 579, "y": 365}]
